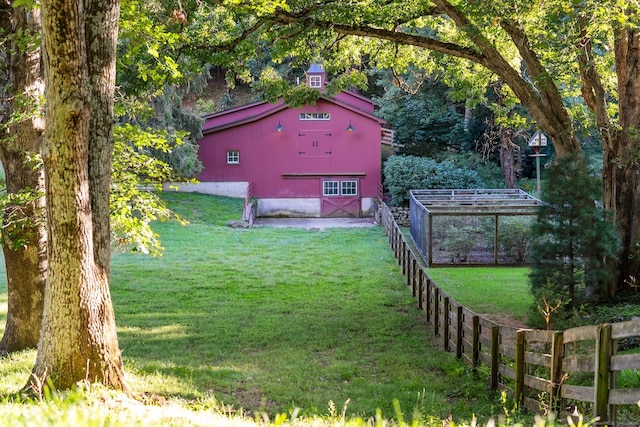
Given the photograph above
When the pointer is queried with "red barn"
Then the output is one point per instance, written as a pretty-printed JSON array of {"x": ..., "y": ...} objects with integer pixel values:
[{"x": 319, "y": 160}]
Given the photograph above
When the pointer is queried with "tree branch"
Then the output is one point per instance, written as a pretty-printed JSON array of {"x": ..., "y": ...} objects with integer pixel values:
[
  {"x": 593, "y": 92},
  {"x": 302, "y": 18}
]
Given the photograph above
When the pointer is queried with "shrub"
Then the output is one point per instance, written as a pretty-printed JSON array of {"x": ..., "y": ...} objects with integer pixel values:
[
  {"x": 459, "y": 242},
  {"x": 404, "y": 173},
  {"x": 515, "y": 237}
]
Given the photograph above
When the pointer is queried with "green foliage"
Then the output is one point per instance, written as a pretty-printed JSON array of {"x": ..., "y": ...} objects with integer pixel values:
[
  {"x": 404, "y": 173},
  {"x": 574, "y": 243},
  {"x": 459, "y": 242},
  {"x": 272, "y": 86},
  {"x": 425, "y": 120},
  {"x": 20, "y": 216},
  {"x": 489, "y": 172},
  {"x": 135, "y": 176},
  {"x": 515, "y": 237}
]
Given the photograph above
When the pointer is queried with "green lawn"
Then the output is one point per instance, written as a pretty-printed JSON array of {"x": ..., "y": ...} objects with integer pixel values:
[
  {"x": 266, "y": 320},
  {"x": 498, "y": 293}
]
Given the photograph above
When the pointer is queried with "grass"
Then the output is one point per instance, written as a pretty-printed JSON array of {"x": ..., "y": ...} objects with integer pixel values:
[
  {"x": 500, "y": 294},
  {"x": 263, "y": 321}
]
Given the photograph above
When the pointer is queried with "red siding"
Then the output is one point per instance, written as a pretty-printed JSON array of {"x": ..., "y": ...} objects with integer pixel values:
[{"x": 290, "y": 163}]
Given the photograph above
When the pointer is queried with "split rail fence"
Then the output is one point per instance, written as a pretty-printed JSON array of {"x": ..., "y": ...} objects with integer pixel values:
[{"x": 542, "y": 370}]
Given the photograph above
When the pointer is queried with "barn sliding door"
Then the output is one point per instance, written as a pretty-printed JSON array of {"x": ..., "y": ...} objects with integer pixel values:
[{"x": 340, "y": 198}]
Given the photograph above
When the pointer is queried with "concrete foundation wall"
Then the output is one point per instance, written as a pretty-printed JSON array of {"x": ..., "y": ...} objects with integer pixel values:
[
  {"x": 228, "y": 189},
  {"x": 295, "y": 208},
  {"x": 303, "y": 207}
]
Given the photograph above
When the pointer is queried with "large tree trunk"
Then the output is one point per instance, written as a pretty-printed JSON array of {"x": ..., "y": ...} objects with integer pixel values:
[
  {"x": 101, "y": 30},
  {"x": 507, "y": 161},
  {"x": 78, "y": 339},
  {"x": 622, "y": 155},
  {"x": 24, "y": 247}
]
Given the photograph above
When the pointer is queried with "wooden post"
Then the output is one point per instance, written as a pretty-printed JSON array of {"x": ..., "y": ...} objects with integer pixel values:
[
  {"x": 427, "y": 300},
  {"x": 520, "y": 368},
  {"x": 414, "y": 267},
  {"x": 396, "y": 245},
  {"x": 446, "y": 323},
  {"x": 436, "y": 311},
  {"x": 602, "y": 366},
  {"x": 420, "y": 288},
  {"x": 495, "y": 356},
  {"x": 556, "y": 370},
  {"x": 392, "y": 241},
  {"x": 475, "y": 340},
  {"x": 460, "y": 332}
]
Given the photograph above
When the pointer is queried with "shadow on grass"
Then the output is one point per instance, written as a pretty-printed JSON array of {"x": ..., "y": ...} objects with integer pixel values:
[{"x": 270, "y": 320}]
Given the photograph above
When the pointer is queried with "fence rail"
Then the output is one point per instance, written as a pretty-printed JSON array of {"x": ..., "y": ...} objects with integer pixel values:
[{"x": 542, "y": 370}]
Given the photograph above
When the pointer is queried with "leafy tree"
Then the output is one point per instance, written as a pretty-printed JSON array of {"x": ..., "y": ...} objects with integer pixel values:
[
  {"x": 426, "y": 122},
  {"x": 404, "y": 173},
  {"x": 545, "y": 55},
  {"x": 132, "y": 206},
  {"x": 573, "y": 239},
  {"x": 78, "y": 338},
  {"x": 24, "y": 235}
]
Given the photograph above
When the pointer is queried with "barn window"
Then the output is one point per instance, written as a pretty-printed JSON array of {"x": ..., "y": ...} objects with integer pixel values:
[
  {"x": 330, "y": 188},
  {"x": 349, "y": 188},
  {"x": 339, "y": 188},
  {"x": 315, "y": 116},
  {"x": 315, "y": 81},
  {"x": 233, "y": 157}
]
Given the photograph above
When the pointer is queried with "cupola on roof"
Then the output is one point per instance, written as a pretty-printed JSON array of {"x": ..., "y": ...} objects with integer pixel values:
[{"x": 316, "y": 76}]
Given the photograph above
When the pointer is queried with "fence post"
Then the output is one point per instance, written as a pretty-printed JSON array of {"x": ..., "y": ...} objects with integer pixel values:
[
  {"x": 495, "y": 356},
  {"x": 405, "y": 256},
  {"x": 460, "y": 332},
  {"x": 519, "y": 371},
  {"x": 392, "y": 243},
  {"x": 557, "y": 342},
  {"x": 445, "y": 325},
  {"x": 603, "y": 364},
  {"x": 414, "y": 265},
  {"x": 475, "y": 340},
  {"x": 420, "y": 288},
  {"x": 436, "y": 311},
  {"x": 427, "y": 300}
]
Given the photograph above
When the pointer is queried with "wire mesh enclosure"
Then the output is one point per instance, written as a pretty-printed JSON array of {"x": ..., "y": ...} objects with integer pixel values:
[{"x": 472, "y": 227}]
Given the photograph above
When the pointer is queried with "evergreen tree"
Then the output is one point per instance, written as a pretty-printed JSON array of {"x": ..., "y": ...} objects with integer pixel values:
[{"x": 573, "y": 238}]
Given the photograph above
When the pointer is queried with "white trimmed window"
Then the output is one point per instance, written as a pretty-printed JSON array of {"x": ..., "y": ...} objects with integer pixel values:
[
  {"x": 349, "y": 188},
  {"x": 330, "y": 188},
  {"x": 339, "y": 188},
  {"x": 315, "y": 81},
  {"x": 315, "y": 116},
  {"x": 233, "y": 157}
]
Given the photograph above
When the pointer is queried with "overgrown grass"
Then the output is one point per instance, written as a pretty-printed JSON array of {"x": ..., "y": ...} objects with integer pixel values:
[
  {"x": 498, "y": 293},
  {"x": 264, "y": 321}
]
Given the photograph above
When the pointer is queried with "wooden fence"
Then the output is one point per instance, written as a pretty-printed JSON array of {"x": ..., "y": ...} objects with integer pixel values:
[{"x": 542, "y": 370}]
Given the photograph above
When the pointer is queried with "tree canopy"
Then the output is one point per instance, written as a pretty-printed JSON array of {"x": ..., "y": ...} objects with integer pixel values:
[{"x": 572, "y": 65}]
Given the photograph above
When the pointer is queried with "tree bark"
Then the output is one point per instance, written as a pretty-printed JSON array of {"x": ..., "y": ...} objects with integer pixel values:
[
  {"x": 25, "y": 263},
  {"x": 507, "y": 161},
  {"x": 78, "y": 339},
  {"x": 101, "y": 29},
  {"x": 622, "y": 155}
]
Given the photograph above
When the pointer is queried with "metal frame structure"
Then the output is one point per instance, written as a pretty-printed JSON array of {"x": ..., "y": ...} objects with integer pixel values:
[{"x": 426, "y": 204}]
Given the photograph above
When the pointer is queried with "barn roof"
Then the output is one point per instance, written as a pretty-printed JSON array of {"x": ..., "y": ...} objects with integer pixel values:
[{"x": 244, "y": 114}]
